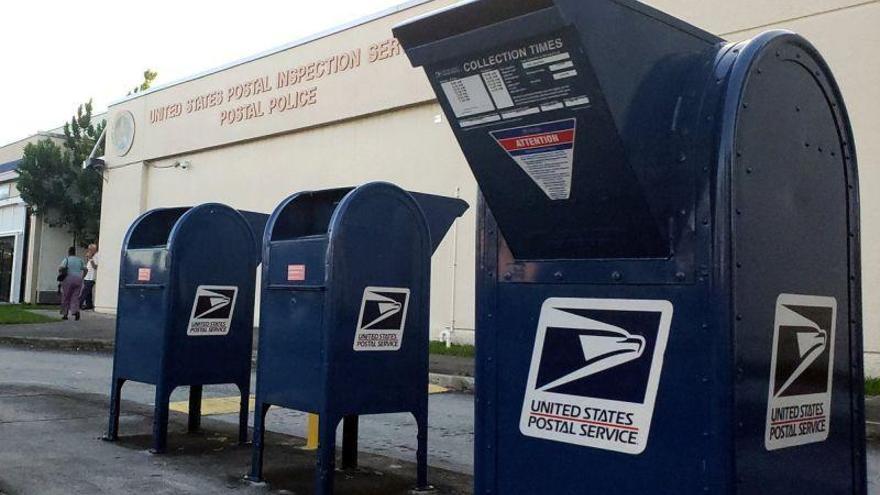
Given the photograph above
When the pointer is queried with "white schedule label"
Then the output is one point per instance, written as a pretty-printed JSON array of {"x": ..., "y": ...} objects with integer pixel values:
[{"x": 468, "y": 96}]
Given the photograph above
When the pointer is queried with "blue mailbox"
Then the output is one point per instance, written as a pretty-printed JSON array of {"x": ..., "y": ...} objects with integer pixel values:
[
  {"x": 668, "y": 289},
  {"x": 186, "y": 308},
  {"x": 344, "y": 312}
]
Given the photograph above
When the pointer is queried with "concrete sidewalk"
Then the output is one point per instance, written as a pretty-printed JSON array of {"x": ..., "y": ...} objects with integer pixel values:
[
  {"x": 50, "y": 445},
  {"x": 95, "y": 332}
]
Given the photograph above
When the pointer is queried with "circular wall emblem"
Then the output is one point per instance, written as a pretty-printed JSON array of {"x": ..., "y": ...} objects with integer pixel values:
[{"x": 123, "y": 132}]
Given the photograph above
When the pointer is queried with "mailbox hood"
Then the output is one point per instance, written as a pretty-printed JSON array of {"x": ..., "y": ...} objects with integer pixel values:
[
  {"x": 440, "y": 213},
  {"x": 570, "y": 116},
  {"x": 154, "y": 228},
  {"x": 310, "y": 212}
]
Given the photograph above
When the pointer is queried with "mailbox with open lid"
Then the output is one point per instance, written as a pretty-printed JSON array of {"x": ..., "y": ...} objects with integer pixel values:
[
  {"x": 186, "y": 308},
  {"x": 344, "y": 312},
  {"x": 668, "y": 296}
]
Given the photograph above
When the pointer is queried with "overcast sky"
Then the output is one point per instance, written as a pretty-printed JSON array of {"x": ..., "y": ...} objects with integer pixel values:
[{"x": 55, "y": 55}]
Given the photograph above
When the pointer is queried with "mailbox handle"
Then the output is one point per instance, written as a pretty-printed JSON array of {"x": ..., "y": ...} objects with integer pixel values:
[
  {"x": 295, "y": 287},
  {"x": 143, "y": 286}
]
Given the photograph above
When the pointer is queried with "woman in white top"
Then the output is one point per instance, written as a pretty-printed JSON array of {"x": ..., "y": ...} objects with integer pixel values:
[{"x": 88, "y": 299}]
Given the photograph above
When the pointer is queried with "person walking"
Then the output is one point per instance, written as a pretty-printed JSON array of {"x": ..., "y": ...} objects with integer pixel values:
[
  {"x": 88, "y": 292},
  {"x": 70, "y": 274}
]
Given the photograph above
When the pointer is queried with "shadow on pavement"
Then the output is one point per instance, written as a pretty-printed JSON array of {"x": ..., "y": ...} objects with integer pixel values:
[{"x": 49, "y": 444}]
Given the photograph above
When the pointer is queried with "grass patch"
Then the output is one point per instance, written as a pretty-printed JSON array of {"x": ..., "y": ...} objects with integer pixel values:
[
  {"x": 14, "y": 314},
  {"x": 872, "y": 386},
  {"x": 454, "y": 350},
  {"x": 38, "y": 306}
]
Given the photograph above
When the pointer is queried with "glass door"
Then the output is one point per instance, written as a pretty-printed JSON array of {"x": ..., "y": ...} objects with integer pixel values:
[{"x": 7, "y": 249}]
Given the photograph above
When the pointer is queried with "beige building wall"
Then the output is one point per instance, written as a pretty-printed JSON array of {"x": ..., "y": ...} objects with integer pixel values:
[
  {"x": 15, "y": 150},
  {"x": 379, "y": 121},
  {"x": 47, "y": 247}
]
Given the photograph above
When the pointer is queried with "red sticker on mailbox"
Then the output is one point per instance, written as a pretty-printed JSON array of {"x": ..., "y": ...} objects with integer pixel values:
[
  {"x": 144, "y": 274},
  {"x": 296, "y": 273}
]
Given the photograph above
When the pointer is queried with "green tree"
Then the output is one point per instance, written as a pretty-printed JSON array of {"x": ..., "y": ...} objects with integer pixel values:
[
  {"x": 53, "y": 183},
  {"x": 43, "y": 179},
  {"x": 149, "y": 77}
]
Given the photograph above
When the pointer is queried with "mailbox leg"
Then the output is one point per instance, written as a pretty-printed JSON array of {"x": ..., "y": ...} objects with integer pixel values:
[
  {"x": 422, "y": 451},
  {"x": 245, "y": 389},
  {"x": 160, "y": 419},
  {"x": 326, "y": 455},
  {"x": 350, "y": 442},
  {"x": 115, "y": 404},
  {"x": 256, "y": 474},
  {"x": 194, "y": 419}
]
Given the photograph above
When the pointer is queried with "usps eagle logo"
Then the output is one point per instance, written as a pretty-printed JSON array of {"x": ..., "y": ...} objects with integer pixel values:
[
  {"x": 212, "y": 310},
  {"x": 803, "y": 345},
  {"x": 604, "y": 347},
  {"x": 382, "y": 319},
  {"x": 595, "y": 371},
  {"x": 801, "y": 371}
]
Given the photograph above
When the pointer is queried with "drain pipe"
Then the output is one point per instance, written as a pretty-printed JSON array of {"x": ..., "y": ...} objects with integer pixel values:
[{"x": 446, "y": 335}]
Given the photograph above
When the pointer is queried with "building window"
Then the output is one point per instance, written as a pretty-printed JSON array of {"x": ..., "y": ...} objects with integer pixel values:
[{"x": 4, "y": 191}]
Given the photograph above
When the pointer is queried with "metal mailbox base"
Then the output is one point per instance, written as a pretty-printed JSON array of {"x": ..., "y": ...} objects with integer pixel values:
[
  {"x": 326, "y": 460},
  {"x": 161, "y": 411}
]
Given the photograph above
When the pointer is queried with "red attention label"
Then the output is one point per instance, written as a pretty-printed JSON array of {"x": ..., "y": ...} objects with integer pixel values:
[
  {"x": 296, "y": 273},
  {"x": 542, "y": 140},
  {"x": 144, "y": 274}
]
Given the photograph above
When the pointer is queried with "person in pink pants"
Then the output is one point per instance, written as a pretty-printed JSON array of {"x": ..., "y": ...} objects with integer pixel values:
[{"x": 70, "y": 274}]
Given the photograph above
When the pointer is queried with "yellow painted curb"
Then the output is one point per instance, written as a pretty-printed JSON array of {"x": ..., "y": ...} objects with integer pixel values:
[
  {"x": 229, "y": 405},
  {"x": 214, "y": 405}
]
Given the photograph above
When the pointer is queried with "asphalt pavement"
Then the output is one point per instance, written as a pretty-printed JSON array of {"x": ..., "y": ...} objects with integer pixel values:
[
  {"x": 53, "y": 409},
  {"x": 394, "y": 435},
  {"x": 51, "y": 445}
]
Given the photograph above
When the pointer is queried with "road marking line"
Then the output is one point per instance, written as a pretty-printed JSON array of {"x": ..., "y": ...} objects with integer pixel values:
[
  {"x": 214, "y": 405},
  {"x": 229, "y": 405},
  {"x": 436, "y": 389}
]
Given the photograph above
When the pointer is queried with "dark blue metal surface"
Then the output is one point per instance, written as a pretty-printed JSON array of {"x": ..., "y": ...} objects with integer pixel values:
[
  {"x": 740, "y": 158},
  {"x": 9, "y": 166},
  {"x": 794, "y": 230},
  {"x": 257, "y": 221},
  {"x": 173, "y": 259},
  {"x": 322, "y": 250}
]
